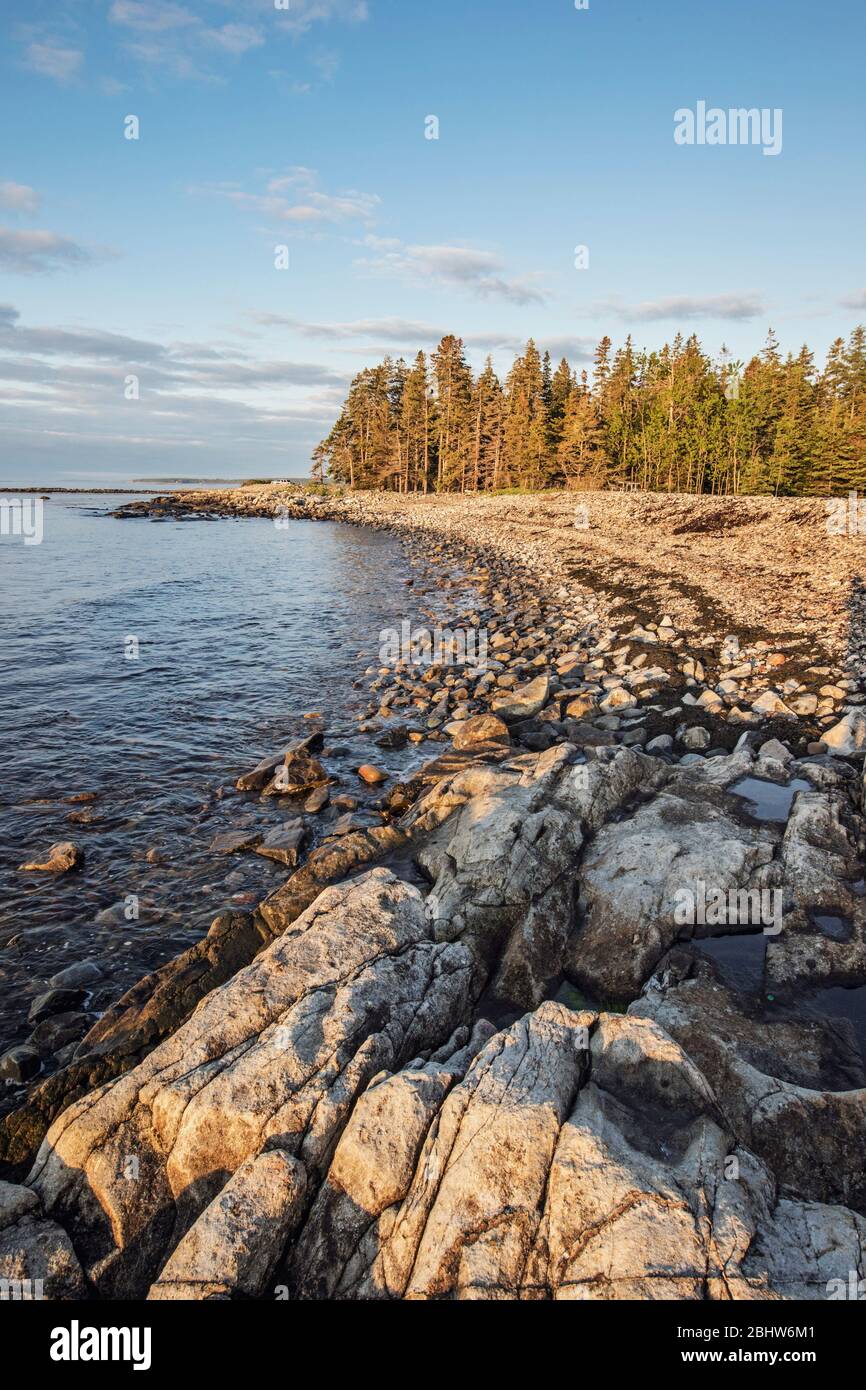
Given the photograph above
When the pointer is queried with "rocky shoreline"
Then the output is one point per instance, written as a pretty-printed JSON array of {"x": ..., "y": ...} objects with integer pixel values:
[{"x": 472, "y": 1047}]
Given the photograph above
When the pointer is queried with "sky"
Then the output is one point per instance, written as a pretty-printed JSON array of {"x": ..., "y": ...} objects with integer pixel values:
[{"x": 194, "y": 302}]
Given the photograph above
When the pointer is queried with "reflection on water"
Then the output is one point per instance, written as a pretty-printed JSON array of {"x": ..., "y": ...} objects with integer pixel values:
[
  {"x": 841, "y": 1003},
  {"x": 144, "y": 668},
  {"x": 740, "y": 959},
  {"x": 769, "y": 801}
]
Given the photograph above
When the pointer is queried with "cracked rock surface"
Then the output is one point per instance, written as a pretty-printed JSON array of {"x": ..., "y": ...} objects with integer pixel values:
[
  {"x": 583, "y": 1156},
  {"x": 792, "y": 1089},
  {"x": 276, "y": 1057},
  {"x": 502, "y": 844},
  {"x": 340, "y": 1119}
]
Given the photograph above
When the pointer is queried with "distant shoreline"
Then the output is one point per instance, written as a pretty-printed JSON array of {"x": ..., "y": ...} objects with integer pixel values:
[{"x": 85, "y": 491}]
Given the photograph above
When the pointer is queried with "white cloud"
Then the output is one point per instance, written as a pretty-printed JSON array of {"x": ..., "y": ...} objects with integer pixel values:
[
  {"x": 179, "y": 39},
  {"x": 52, "y": 60},
  {"x": 49, "y": 342},
  {"x": 412, "y": 334},
  {"x": 294, "y": 197},
  {"x": 298, "y": 176},
  {"x": 174, "y": 364},
  {"x": 857, "y": 300},
  {"x": 19, "y": 197},
  {"x": 737, "y": 307},
  {"x": 327, "y": 64},
  {"x": 478, "y": 271},
  {"x": 150, "y": 15},
  {"x": 235, "y": 38},
  {"x": 35, "y": 252},
  {"x": 395, "y": 330},
  {"x": 303, "y": 14},
  {"x": 573, "y": 349}
]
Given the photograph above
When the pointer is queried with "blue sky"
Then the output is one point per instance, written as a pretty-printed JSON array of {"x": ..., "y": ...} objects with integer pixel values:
[{"x": 263, "y": 127}]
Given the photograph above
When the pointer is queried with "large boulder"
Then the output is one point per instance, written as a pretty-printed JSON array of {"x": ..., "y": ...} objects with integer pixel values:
[
  {"x": 299, "y": 772},
  {"x": 328, "y": 864},
  {"x": 636, "y": 868},
  {"x": 36, "y": 1256},
  {"x": 232, "y": 1249},
  {"x": 480, "y": 730},
  {"x": 823, "y": 943},
  {"x": 149, "y": 1012},
  {"x": 581, "y": 1157},
  {"x": 263, "y": 773},
  {"x": 698, "y": 837},
  {"x": 275, "y": 1058},
  {"x": 524, "y": 702},
  {"x": 804, "y": 1251},
  {"x": 62, "y": 858},
  {"x": 374, "y": 1166},
  {"x": 503, "y": 842},
  {"x": 848, "y": 737},
  {"x": 159, "y": 1003}
]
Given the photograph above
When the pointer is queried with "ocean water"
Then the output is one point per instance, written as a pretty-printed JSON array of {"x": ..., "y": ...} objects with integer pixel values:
[{"x": 151, "y": 663}]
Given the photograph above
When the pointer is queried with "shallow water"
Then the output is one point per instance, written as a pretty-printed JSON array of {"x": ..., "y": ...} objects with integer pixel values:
[
  {"x": 241, "y": 628},
  {"x": 740, "y": 959},
  {"x": 769, "y": 801},
  {"x": 842, "y": 1003},
  {"x": 835, "y": 927}
]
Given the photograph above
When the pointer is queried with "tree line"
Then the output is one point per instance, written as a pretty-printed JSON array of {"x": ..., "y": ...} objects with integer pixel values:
[{"x": 668, "y": 420}]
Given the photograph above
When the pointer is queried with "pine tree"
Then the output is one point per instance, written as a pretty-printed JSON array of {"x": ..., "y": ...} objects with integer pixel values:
[
  {"x": 563, "y": 387},
  {"x": 527, "y": 426},
  {"x": 619, "y": 413},
  {"x": 453, "y": 405},
  {"x": 417, "y": 414},
  {"x": 793, "y": 445},
  {"x": 580, "y": 454},
  {"x": 488, "y": 423}
]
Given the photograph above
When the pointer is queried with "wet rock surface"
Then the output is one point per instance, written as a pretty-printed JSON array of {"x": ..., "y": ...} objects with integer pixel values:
[
  {"x": 61, "y": 858},
  {"x": 793, "y": 1088}
]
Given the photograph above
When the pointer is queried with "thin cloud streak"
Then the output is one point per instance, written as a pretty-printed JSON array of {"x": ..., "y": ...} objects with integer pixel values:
[
  {"x": 52, "y": 60},
  {"x": 476, "y": 270},
  {"x": 735, "y": 307},
  {"x": 412, "y": 334},
  {"x": 295, "y": 197},
  {"x": 39, "y": 252}
]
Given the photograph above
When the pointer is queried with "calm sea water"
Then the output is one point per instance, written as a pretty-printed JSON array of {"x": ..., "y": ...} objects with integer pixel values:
[{"x": 241, "y": 629}]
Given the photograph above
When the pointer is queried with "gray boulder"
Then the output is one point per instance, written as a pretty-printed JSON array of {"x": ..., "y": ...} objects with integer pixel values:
[{"x": 276, "y": 1057}]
